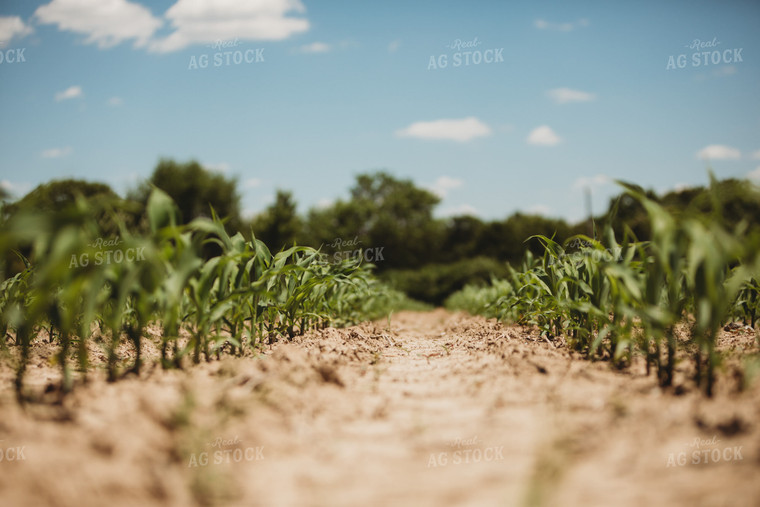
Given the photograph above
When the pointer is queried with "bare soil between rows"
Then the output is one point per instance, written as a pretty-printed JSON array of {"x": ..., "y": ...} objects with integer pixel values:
[{"x": 435, "y": 409}]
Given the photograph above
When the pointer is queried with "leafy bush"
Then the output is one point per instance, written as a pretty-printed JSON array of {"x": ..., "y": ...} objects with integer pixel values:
[{"x": 435, "y": 282}]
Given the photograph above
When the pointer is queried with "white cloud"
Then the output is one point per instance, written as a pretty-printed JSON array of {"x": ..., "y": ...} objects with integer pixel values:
[
  {"x": 56, "y": 152},
  {"x": 324, "y": 203},
  {"x": 115, "y": 101},
  {"x": 756, "y": 155},
  {"x": 123, "y": 180},
  {"x": 592, "y": 182},
  {"x": 315, "y": 47},
  {"x": 543, "y": 136},
  {"x": 71, "y": 92},
  {"x": 462, "y": 130},
  {"x": 443, "y": 184},
  {"x": 718, "y": 152},
  {"x": 539, "y": 209},
  {"x": 462, "y": 209},
  {"x": 565, "y": 95},
  {"x": 219, "y": 167},
  {"x": 196, "y": 22},
  {"x": 248, "y": 213},
  {"x": 726, "y": 70},
  {"x": 394, "y": 45},
  {"x": 252, "y": 183},
  {"x": 15, "y": 189},
  {"x": 680, "y": 187},
  {"x": 12, "y": 26},
  {"x": 542, "y": 24},
  {"x": 754, "y": 175},
  {"x": 104, "y": 22}
]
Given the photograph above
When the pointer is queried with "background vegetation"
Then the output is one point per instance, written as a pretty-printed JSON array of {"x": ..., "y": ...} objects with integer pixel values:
[
  {"x": 213, "y": 281},
  {"x": 613, "y": 296},
  {"x": 428, "y": 258}
]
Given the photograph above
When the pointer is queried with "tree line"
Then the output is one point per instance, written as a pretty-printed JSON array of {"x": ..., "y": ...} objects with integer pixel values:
[{"x": 427, "y": 257}]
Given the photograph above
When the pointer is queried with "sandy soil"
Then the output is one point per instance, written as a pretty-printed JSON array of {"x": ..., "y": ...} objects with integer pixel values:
[{"x": 438, "y": 409}]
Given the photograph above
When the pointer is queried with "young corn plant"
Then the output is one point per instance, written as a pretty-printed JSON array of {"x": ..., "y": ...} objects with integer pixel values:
[
  {"x": 747, "y": 307},
  {"x": 714, "y": 286},
  {"x": 240, "y": 297},
  {"x": 665, "y": 296},
  {"x": 607, "y": 297}
]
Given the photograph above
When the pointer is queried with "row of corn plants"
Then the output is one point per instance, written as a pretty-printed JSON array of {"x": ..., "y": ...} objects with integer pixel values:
[
  {"x": 613, "y": 298},
  {"x": 239, "y": 299}
]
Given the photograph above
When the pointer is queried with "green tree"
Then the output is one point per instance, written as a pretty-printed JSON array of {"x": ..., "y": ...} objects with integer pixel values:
[
  {"x": 626, "y": 212},
  {"x": 279, "y": 225},
  {"x": 732, "y": 202},
  {"x": 195, "y": 190},
  {"x": 5, "y": 198},
  {"x": 383, "y": 212},
  {"x": 508, "y": 239},
  {"x": 463, "y": 237},
  {"x": 58, "y": 195}
]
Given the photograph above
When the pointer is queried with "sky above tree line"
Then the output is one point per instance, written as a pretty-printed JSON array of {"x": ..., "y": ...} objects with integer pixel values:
[{"x": 495, "y": 106}]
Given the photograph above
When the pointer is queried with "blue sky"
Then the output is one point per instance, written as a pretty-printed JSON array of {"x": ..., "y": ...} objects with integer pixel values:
[{"x": 566, "y": 95}]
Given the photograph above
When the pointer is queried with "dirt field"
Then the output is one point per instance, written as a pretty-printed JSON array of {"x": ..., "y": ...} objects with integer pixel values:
[{"x": 439, "y": 409}]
